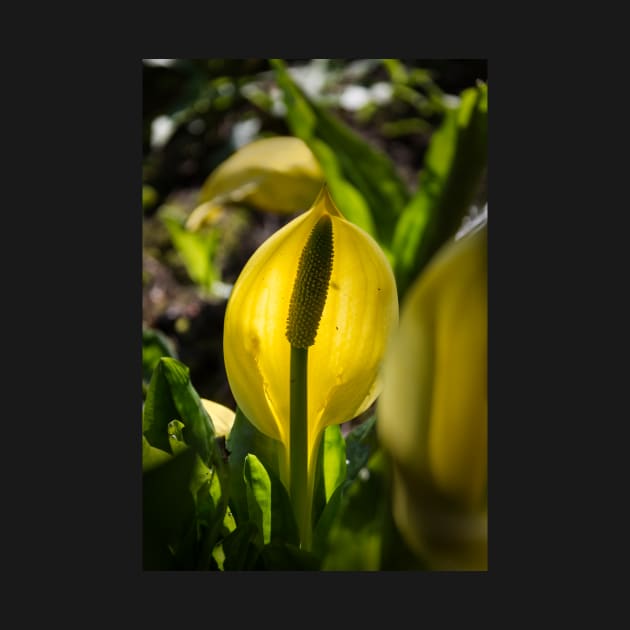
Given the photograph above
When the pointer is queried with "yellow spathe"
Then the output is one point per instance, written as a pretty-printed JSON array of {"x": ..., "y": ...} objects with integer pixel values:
[
  {"x": 222, "y": 417},
  {"x": 278, "y": 174},
  {"x": 359, "y": 314},
  {"x": 432, "y": 413}
]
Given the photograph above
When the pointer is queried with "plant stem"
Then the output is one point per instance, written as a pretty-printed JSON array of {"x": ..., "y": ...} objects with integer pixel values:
[{"x": 298, "y": 449}]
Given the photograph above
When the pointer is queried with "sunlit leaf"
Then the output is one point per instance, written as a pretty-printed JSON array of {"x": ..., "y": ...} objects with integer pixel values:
[
  {"x": 197, "y": 251},
  {"x": 152, "y": 457},
  {"x": 268, "y": 504},
  {"x": 371, "y": 172},
  {"x": 172, "y": 396},
  {"x": 245, "y": 438}
]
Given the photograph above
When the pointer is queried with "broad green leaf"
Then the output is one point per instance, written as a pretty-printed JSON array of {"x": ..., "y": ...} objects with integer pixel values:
[
  {"x": 356, "y": 537},
  {"x": 268, "y": 503},
  {"x": 174, "y": 417},
  {"x": 152, "y": 457},
  {"x": 369, "y": 171},
  {"x": 171, "y": 396},
  {"x": 197, "y": 251},
  {"x": 258, "y": 488},
  {"x": 453, "y": 171},
  {"x": 243, "y": 439}
]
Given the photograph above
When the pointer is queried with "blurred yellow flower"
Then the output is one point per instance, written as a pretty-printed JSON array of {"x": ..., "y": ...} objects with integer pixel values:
[
  {"x": 277, "y": 174},
  {"x": 359, "y": 313},
  {"x": 432, "y": 413}
]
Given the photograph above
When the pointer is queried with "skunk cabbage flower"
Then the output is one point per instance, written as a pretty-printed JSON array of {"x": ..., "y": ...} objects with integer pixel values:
[
  {"x": 432, "y": 413},
  {"x": 278, "y": 174},
  {"x": 359, "y": 309}
]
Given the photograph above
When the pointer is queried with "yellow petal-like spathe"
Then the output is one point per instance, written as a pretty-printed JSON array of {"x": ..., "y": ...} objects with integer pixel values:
[
  {"x": 222, "y": 417},
  {"x": 278, "y": 174},
  {"x": 360, "y": 312},
  {"x": 432, "y": 414}
]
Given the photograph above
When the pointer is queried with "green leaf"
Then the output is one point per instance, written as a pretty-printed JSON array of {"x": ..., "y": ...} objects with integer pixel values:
[
  {"x": 152, "y": 457},
  {"x": 245, "y": 438},
  {"x": 158, "y": 411},
  {"x": 356, "y": 536},
  {"x": 155, "y": 345},
  {"x": 173, "y": 410},
  {"x": 359, "y": 445},
  {"x": 268, "y": 503},
  {"x": 171, "y": 396},
  {"x": 302, "y": 121},
  {"x": 369, "y": 171},
  {"x": 239, "y": 549},
  {"x": 453, "y": 171},
  {"x": 197, "y": 250},
  {"x": 325, "y": 521},
  {"x": 331, "y": 468}
]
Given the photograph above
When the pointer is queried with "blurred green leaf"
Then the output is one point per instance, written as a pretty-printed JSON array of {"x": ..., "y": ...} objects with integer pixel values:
[
  {"x": 355, "y": 539},
  {"x": 197, "y": 251},
  {"x": 268, "y": 503},
  {"x": 302, "y": 122},
  {"x": 453, "y": 171},
  {"x": 155, "y": 345},
  {"x": 378, "y": 192},
  {"x": 361, "y": 442}
]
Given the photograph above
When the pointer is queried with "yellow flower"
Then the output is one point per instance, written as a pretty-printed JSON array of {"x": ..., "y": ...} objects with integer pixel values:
[
  {"x": 277, "y": 174},
  {"x": 359, "y": 313},
  {"x": 432, "y": 414}
]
